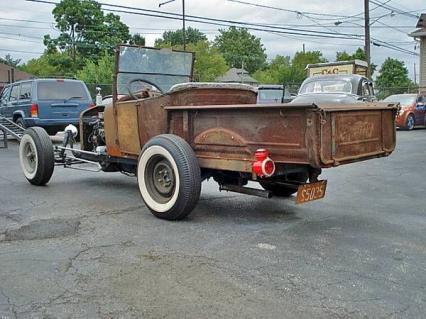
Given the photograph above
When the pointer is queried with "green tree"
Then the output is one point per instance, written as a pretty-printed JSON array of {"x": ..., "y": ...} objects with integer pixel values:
[
  {"x": 359, "y": 54},
  {"x": 85, "y": 31},
  {"x": 209, "y": 62},
  {"x": 174, "y": 38},
  {"x": 241, "y": 49},
  {"x": 282, "y": 70},
  {"x": 49, "y": 64},
  {"x": 300, "y": 61},
  {"x": 8, "y": 60},
  {"x": 393, "y": 78},
  {"x": 343, "y": 56},
  {"x": 137, "y": 39},
  {"x": 276, "y": 72},
  {"x": 99, "y": 72}
]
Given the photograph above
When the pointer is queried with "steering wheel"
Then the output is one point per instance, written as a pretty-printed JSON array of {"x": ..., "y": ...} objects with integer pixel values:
[{"x": 132, "y": 94}]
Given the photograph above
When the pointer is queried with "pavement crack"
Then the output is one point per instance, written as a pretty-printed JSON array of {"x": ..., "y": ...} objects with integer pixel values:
[
  {"x": 14, "y": 217},
  {"x": 70, "y": 263},
  {"x": 11, "y": 305}
]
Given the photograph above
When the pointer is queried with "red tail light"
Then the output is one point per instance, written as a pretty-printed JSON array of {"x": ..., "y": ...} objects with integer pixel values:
[
  {"x": 34, "y": 110},
  {"x": 91, "y": 105},
  {"x": 264, "y": 166}
]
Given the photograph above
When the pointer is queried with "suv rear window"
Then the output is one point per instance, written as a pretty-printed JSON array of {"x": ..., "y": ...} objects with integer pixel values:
[
  {"x": 25, "y": 92},
  {"x": 61, "y": 90}
]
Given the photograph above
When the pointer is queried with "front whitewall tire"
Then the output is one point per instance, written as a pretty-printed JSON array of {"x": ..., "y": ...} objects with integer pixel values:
[
  {"x": 36, "y": 156},
  {"x": 27, "y": 145}
]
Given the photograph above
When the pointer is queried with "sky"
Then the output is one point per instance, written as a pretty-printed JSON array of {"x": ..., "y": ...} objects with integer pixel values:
[{"x": 23, "y": 39}]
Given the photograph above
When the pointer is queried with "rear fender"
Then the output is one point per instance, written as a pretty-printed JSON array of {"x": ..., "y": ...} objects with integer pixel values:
[{"x": 18, "y": 114}]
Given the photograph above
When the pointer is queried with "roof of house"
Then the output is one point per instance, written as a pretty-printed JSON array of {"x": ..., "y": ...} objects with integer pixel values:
[
  {"x": 422, "y": 21},
  {"x": 418, "y": 33},
  {"x": 237, "y": 76},
  {"x": 18, "y": 75}
]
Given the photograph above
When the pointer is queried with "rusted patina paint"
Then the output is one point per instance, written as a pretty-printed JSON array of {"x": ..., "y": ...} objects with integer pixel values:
[{"x": 225, "y": 127}]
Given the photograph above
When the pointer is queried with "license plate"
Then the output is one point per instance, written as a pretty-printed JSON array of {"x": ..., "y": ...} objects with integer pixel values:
[{"x": 311, "y": 191}]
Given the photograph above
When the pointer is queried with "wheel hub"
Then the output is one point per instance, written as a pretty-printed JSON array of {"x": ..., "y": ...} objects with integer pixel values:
[{"x": 163, "y": 178}]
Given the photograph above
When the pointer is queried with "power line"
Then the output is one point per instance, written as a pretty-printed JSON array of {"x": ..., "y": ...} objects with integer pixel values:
[
  {"x": 229, "y": 23},
  {"x": 392, "y": 8},
  {"x": 288, "y": 10},
  {"x": 25, "y": 20},
  {"x": 20, "y": 35},
  {"x": 213, "y": 21},
  {"x": 353, "y": 16},
  {"x": 24, "y": 26},
  {"x": 20, "y": 51},
  {"x": 17, "y": 39},
  {"x": 270, "y": 24}
]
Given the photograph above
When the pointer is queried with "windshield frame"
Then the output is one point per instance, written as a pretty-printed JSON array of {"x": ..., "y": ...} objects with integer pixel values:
[{"x": 117, "y": 65}]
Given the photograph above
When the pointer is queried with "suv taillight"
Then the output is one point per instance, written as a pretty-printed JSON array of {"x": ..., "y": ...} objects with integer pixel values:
[{"x": 34, "y": 110}]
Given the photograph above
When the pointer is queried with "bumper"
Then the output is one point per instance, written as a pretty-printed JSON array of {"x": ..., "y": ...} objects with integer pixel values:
[
  {"x": 401, "y": 119},
  {"x": 34, "y": 121}
]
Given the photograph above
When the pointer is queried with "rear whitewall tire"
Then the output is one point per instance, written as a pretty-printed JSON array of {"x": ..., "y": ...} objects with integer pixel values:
[
  {"x": 169, "y": 177},
  {"x": 143, "y": 161}
]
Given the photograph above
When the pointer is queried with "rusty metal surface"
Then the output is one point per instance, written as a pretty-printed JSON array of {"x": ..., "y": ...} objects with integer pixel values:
[
  {"x": 127, "y": 120},
  {"x": 356, "y": 134},
  {"x": 225, "y": 128}
]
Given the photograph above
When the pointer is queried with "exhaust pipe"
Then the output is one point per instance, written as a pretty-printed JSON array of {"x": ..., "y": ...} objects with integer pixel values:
[{"x": 246, "y": 190}]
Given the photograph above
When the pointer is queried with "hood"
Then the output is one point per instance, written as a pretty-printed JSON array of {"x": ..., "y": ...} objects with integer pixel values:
[{"x": 321, "y": 98}]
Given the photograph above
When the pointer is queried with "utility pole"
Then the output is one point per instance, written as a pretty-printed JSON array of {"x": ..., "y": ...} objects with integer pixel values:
[
  {"x": 367, "y": 35},
  {"x": 415, "y": 75},
  {"x": 183, "y": 20},
  {"x": 183, "y": 25}
]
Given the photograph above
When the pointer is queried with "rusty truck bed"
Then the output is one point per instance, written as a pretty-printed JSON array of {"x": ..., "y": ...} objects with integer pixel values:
[
  {"x": 228, "y": 135},
  {"x": 225, "y": 128}
]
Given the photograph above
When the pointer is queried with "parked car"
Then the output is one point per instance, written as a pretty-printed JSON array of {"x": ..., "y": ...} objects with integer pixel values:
[
  {"x": 412, "y": 112},
  {"x": 342, "y": 89},
  {"x": 49, "y": 103}
]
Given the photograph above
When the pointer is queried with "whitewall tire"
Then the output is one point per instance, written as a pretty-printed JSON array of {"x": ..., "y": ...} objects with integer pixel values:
[
  {"x": 36, "y": 156},
  {"x": 169, "y": 177}
]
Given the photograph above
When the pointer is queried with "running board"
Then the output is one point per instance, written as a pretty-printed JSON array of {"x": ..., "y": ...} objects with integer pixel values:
[{"x": 246, "y": 190}]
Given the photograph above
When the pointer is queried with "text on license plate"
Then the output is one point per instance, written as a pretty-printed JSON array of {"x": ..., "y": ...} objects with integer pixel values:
[{"x": 311, "y": 191}]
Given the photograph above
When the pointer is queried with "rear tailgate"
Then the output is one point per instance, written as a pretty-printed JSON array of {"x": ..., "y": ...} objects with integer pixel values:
[
  {"x": 350, "y": 133},
  {"x": 62, "y": 99},
  {"x": 54, "y": 109}
]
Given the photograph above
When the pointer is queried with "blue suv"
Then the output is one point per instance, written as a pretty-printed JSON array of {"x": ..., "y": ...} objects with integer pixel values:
[{"x": 49, "y": 103}]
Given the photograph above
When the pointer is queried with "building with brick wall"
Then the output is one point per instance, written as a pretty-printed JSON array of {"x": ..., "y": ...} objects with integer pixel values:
[{"x": 9, "y": 74}]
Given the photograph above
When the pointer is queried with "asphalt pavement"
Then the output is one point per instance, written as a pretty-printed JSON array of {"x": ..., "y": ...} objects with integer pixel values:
[{"x": 85, "y": 246}]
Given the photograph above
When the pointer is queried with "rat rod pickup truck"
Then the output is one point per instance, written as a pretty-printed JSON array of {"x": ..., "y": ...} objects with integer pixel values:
[{"x": 173, "y": 134}]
